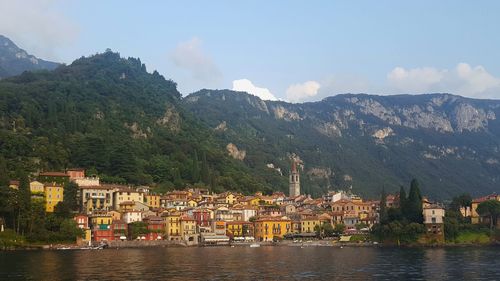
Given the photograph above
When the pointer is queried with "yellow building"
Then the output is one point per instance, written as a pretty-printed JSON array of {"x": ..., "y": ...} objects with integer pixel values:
[
  {"x": 268, "y": 200},
  {"x": 475, "y": 217},
  {"x": 54, "y": 193},
  {"x": 239, "y": 228},
  {"x": 115, "y": 215},
  {"x": 126, "y": 195},
  {"x": 250, "y": 201},
  {"x": 37, "y": 191},
  {"x": 36, "y": 187},
  {"x": 308, "y": 224},
  {"x": 230, "y": 199},
  {"x": 97, "y": 198},
  {"x": 172, "y": 225},
  {"x": 192, "y": 203},
  {"x": 152, "y": 201},
  {"x": 268, "y": 228},
  {"x": 101, "y": 219},
  {"x": 188, "y": 225}
]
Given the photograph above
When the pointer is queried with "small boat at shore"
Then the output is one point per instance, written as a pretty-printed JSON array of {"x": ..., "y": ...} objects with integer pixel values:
[{"x": 254, "y": 245}]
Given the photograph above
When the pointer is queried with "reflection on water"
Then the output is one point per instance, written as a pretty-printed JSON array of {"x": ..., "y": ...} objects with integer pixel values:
[{"x": 244, "y": 263}]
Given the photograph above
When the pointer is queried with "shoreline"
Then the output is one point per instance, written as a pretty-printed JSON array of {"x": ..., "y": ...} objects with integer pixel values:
[{"x": 176, "y": 244}]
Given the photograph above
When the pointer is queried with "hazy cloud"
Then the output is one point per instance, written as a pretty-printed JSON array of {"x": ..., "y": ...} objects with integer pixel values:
[
  {"x": 190, "y": 56},
  {"x": 463, "y": 80},
  {"x": 245, "y": 85},
  {"x": 303, "y": 91},
  {"x": 37, "y": 26},
  {"x": 415, "y": 80}
]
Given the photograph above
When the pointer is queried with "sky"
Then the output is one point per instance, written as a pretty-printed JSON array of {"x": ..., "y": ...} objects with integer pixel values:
[{"x": 288, "y": 50}]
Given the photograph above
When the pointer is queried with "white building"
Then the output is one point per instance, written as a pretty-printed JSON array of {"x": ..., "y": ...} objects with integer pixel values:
[{"x": 132, "y": 216}]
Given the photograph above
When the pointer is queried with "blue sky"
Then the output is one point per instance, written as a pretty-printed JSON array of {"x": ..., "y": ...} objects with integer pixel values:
[{"x": 290, "y": 50}]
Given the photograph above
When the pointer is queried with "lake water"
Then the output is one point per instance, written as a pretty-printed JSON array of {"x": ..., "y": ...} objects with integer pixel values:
[{"x": 244, "y": 263}]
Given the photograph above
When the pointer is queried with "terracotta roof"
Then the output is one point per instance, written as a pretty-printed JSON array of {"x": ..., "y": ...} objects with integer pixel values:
[
  {"x": 127, "y": 203},
  {"x": 187, "y": 218},
  {"x": 272, "y": 219},
  {"x": 485, "y": 198},
  {"x": 53, "y": 174},
  {"x": 238, "y": 222},
  {"x": 76, "y": 169},
  {"x": 99, "y": 187}
]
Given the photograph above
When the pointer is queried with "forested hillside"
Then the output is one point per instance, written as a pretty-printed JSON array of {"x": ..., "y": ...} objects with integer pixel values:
[
  {"x": 450, "y": 143},
  {"x": 109, "y": 115}
]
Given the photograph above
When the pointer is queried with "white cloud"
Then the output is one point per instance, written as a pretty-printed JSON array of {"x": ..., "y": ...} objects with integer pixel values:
[
  {"x": 245, "y": 85},
  {"x": 37, "y": 26},
  {"x": 301, "y": 92},
  {"x": 190, "y": 56},
  {"x": 415, "y": 80},
  {"x": 463, "y": 80}
]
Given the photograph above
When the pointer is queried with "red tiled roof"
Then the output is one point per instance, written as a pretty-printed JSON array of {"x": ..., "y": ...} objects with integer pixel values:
[
  {"x": 76, "y": 169},
  {"x": 485, "y": 198},
  {"x": 53, "y": 174}
]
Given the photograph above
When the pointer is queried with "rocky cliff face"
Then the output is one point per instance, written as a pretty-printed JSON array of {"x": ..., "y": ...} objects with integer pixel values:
[
  {"x": 14, "y": 61},
  {"x": 449, "y": 142}
]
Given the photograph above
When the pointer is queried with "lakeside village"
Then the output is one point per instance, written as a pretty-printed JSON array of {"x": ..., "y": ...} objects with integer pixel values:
[{"x": 113, "y": 215}]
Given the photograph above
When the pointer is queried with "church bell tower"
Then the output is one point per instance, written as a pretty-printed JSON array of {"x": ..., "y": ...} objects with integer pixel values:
[{"x": 294, "y": 183}]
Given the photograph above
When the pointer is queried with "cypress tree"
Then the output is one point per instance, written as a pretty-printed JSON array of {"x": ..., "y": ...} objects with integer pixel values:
[
  {"x": 24, "y": 203},
  {"x": 383, "y": 208},
  {"x": 403, "y": 202},
  {"x": 415, "y": 203},
  {"x": 4, "y": 173},
  {"x": 205, "y": 172},
  {"x": 195, "y": 169}
]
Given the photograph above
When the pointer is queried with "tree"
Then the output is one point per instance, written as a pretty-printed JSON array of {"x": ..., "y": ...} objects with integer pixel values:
[
  {"x": 62, "y": 210},
  {"x": 383, "y": 208},
  {"x": 402, "y": 201},
  {"x": 451, "y": 228},
  {"x": 491, "y": 209},
  {"x": 70, "y": 196},
  {"x": 4, "y": 173},
  {"x": 328, "y": 230},
  {"x": 339, "y": 228},
  {"x": 195, "y": 169},
  {"x": 414, "y": 204},
  {"x": 394, "y": 214},
  {"x": 205, "y": 171},
  {"x": 361, "y": 225},
  {"x": 463, "y": 200},
  {"x": 317, "y": 230},
  {"x": 137, "y": 229},
  {"x": 24, "y": 204},
  {"x": 69, "y": 230}
]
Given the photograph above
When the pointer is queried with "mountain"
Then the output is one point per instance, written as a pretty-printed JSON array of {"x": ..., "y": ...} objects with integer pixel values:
[
  {"x": 109, "y": 115},
  {"x": 367, "y": 142},
  {"x": 14, "y": 61}
]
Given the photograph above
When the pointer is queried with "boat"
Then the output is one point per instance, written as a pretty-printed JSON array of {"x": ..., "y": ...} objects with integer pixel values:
[{"x": 254, "y": 245}]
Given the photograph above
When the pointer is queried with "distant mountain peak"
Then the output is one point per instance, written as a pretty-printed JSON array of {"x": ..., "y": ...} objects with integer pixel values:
[{"x": 14, "y": 60}]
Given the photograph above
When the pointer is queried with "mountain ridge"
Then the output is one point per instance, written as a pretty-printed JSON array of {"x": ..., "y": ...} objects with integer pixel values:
[
  {"x": 108, "y": 114},
  {"x": 426, "y": 131},
  {"x": 14, "y": 60}
]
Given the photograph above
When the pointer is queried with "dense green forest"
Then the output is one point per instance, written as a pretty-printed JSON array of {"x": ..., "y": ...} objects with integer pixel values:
[{"x": 109, "y": 115}]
